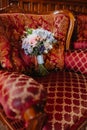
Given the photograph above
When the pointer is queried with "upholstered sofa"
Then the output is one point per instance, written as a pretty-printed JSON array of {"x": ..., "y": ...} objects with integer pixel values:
[{"x": 66, "y": 82}]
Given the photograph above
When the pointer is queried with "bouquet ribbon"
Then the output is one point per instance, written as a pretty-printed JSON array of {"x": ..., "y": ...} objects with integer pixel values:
[{"x": 42, "y": 71}]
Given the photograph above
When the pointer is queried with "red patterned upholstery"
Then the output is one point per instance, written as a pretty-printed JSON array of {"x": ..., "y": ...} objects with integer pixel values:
[
  {"x": 58, "y": 23},
  {"x": 67, "y": 99},
  {"x": 80, "y": 44},
  {"x": 14, "y": 25},
  {"x": 80, "y": 32},
  {"x": 19, "y": 92},
  {"x": 81, "y": 27},
  {"x": 5, "y": 50},
  {"x": 67, "y": 91},
  {"x": 76, "y": 60}
]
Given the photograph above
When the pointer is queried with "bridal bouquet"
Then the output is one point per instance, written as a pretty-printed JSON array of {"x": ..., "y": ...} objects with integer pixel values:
[{"x": 36, "y": 42}]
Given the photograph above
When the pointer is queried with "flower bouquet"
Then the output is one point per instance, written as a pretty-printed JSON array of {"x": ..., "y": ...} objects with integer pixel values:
[{"x": 36, "y": 42}]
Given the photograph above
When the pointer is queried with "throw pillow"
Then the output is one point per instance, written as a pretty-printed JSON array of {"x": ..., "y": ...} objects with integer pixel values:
[
  {"x": 54, "y": 60},
  {"x": 29, "y": 62},
  {"x": 81, "y": 27},
  {"x": 19, "y": 92},
  {"x": 80, "y": 44},
  {"x": 18, "y": 63},
  {"x": 5, "y": 50},
  {"x": 76, "y": 60}
]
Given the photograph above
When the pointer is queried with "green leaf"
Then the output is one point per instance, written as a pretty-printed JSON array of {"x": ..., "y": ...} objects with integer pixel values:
[{"x": 29, "y": 30}]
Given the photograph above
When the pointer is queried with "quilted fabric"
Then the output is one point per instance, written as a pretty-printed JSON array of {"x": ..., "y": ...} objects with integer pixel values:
[
  {"x": 18, "y": 92},
  {"x": 67, "y": 99},
  {"x": 76, "y": 60}
]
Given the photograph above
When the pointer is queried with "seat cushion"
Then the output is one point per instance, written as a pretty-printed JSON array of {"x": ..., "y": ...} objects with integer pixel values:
[
  {"x": 66, "y": 105},
  {"x": 67, "y": 99}
]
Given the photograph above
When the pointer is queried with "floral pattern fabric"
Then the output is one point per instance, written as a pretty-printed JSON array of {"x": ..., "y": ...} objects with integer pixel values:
[{"x": 14, "y": 25}]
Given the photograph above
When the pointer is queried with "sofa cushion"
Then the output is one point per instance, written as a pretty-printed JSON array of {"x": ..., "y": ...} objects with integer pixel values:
[
  {"x": 14, "y": 26},
  {"x": 79, "y": 37},
  {"x": 10, "y": 58},
  {"x": 5, "y": 53},
  {"x": 66, "y": 105},
  {"x": 54, "y": 60},
  {"x": 66, "y": 100},
  {"x": 80, "y": 44},
  {"x": 18, "y": 64},
  {"x": 76, "y": 60},
  {"x": 19, "y": 92},
  {"x": 56, "y": 23},
  {"x": 15, "y": 23},
  {"x": 81, "y": 27}
]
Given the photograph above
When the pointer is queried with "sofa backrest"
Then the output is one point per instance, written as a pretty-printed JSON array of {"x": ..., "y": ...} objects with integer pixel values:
[{"x": 61, "y": 23}]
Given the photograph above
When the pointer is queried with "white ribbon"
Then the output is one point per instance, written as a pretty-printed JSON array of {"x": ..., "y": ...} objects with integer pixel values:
[{"x": 40, "y": 59}]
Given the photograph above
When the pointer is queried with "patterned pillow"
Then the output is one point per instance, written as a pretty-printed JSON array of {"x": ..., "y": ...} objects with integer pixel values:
[
  {"x": 5, "y": 50},
  {"x": 58, "y": 24},
  {"x": 10, "y": 57},
  {"x": 29, "y": 61},
  {"x": 19, "y": 92},
  {"x": 76, "y": 60},
  {"x": 80, "y": 44},
  {"x": 81, "y": 27},
  {"x": 18, "y": 61},
  {"x": 54, "y": 60}
]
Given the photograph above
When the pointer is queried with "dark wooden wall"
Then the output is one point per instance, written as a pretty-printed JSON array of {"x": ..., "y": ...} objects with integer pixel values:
[
  {"x": 41, "y": 6},
  {"x": 3, "y": 3}
]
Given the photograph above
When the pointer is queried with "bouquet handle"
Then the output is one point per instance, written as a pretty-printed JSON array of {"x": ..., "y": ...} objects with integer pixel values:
[{"x": 42, "y": 71}]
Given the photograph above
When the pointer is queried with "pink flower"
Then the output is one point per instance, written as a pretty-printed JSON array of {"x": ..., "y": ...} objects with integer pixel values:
[{"x": 32, "y": 39}]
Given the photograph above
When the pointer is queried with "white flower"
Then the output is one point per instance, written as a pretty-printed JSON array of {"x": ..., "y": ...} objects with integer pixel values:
[{"x": 37, "y": 41}]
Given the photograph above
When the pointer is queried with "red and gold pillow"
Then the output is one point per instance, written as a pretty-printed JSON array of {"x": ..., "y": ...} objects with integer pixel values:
[
  {"x": 80, "y": 44},
  {"x": 5, "y": 53},
  {"x": 76, "y": 60},
  {"x": 18, "y": 63},
  {"x": 81, "y": 27},
  {"x": 10, "y": 57},
  {"x": 19, "y": 92},
  {"x": 58, "y": 24},
  {"x": 80, "y": 33},
  {"x": 54, "y": 60}
]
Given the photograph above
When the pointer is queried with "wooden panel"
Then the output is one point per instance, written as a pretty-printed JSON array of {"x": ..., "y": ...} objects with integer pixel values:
[
  {"x": 3, "y": 3},
  {"x": 40, "y": 6}
]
